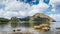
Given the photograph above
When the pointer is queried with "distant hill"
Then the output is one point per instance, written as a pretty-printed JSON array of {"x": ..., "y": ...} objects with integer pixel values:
[
  {"x": 3, "y": 20},
  {"x": 38, "y": 18}
]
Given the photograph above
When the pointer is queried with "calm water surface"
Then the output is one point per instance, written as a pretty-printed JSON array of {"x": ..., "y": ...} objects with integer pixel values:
[{"x": 24, "y": 28}]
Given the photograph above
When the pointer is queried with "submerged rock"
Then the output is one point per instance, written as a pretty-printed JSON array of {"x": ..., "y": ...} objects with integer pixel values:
[
  {"x": 58, "y": 28},
  {"x": 44, "y": 27},
  {"x": 36, "y": 27}
]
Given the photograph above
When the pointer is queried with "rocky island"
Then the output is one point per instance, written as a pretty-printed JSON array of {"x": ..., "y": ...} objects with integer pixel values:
[
  {"x": 39, "y": 19},
  {"x": 34, "y": 21}
]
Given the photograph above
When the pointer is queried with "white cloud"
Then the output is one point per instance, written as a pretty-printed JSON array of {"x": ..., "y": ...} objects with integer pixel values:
[
  {"x": 54, "y": 1},
  {"x": 22, "y": 13},
  {"x": 38, "y": 8},
  {"x": 55, "y": 4},
  {"x": 53, "y": 10},
  {"x": 8, "y": 14},
  {"x": 20, "y": 9},
  {"x": 55, "y": 16},
  {"x": 14, "y": 8}
]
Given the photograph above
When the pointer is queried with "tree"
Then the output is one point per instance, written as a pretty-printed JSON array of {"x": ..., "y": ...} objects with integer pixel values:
[{"x": 14, "y": 20}]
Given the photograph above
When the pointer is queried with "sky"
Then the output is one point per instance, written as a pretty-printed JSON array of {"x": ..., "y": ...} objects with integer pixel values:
[{"x": 23, "y": 8}]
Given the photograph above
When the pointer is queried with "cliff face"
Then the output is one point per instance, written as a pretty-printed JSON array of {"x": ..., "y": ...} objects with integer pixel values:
[
  {"x": 41, "y": 18},
  {"x": 38, "y": 19},
  {"x": 44, "y": 16}
]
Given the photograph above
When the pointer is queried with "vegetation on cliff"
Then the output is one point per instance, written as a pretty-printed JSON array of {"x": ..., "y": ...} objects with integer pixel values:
[
  {"x": 14, "y": 20},
  {"x": 4, "y": 20},
  {"x": 35, "y": 19}
]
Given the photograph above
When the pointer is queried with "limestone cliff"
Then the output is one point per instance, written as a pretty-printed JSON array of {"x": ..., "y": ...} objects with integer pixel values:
[{"x": 41, "y": 18}]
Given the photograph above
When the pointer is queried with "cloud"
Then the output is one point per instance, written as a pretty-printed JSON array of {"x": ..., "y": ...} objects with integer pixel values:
[
  {"x": 54, "y": 1},
  {"x": 15, "y": 8},
  {"x": 8, "y": 14},
  {"x": 20, "y": 9},
  {"x": 38, "y": 8},
  {"x": 55, "y": 16}
]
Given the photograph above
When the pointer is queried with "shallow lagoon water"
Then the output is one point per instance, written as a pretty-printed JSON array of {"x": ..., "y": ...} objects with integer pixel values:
[{"x": 5, "y": 28}]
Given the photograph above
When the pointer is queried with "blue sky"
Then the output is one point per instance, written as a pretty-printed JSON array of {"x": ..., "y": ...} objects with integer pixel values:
[{"x": 23, "y": 8}]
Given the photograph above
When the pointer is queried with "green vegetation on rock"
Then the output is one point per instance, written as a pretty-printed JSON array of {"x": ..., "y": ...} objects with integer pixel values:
[
  {"x": 14, "y": 20},
  {"x": 4, "y": 20},
  {"x": 36, "y": 19}
]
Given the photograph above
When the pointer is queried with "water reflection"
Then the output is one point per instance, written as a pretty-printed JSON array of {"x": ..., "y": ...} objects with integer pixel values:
[
  {"x": 14, "y": 25},
  {"x": 5, "y": 27},
  {"x": 18, "y": 24},
  {"x": 2, "y": 25},
  {"x": 25, "y": 26}
]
